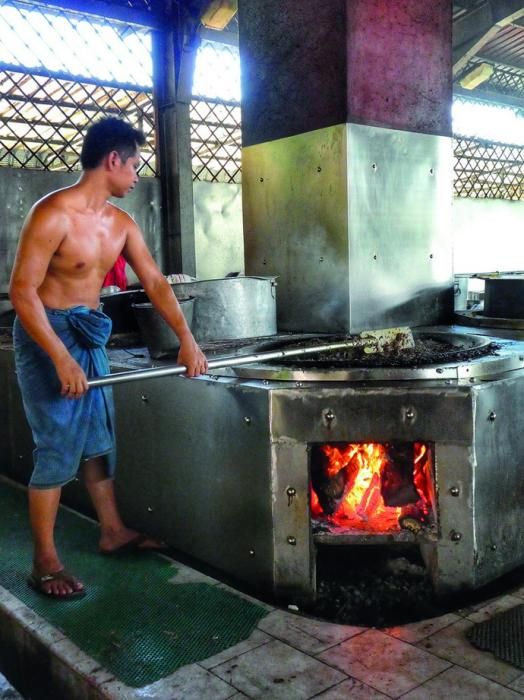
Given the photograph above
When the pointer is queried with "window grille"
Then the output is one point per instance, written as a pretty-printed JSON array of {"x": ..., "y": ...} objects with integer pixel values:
[
  {"x": 505, "y": 80},
  {"x": 215, "y": 114},
  {"x": 215, "y": 141},
  {"x": 484, "y": 166},
  {"x": 148, "y": 5},
  {"x": 59, "y": 72},
  {"x": 488, "y": 170}
]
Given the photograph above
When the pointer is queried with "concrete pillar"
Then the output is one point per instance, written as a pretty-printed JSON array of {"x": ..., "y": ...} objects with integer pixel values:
[{"x": 308, "y": 64}]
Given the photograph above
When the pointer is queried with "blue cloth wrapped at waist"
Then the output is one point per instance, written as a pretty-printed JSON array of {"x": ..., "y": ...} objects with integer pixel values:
[{"x": 66, "y": 431}]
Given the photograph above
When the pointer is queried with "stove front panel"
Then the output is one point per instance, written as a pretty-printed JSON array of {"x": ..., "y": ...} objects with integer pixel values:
[{"x": 479, "y": 470}]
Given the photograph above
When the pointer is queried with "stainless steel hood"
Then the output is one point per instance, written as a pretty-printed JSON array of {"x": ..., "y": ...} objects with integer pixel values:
[{"x": 355, "y": 221}]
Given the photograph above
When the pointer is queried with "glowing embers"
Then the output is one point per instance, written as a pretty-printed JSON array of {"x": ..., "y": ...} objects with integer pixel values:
[{"x": 373, "y": 487}]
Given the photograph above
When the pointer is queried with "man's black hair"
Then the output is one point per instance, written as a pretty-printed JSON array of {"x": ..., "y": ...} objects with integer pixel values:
[{"x": 106, "y": 135}]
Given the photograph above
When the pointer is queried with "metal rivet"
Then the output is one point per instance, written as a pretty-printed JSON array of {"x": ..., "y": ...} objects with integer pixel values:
[
  {"x": 144, "y": 398},
  {"x": 247, "y": 420},
  {"x": 298, "y": 384},
  {"x": 321, "y": 259},
  {"x": 319, "y": 169},
  {"x": 374, "y": 166},
  {"x": 251, "y": 552},
  {"x": 292, "y": 540},
  {"x": 261, "y": 179},
  {"x": 149, "y": 509},
  {"x": 493, "y": 547},
  {"x": 410, "y": 414},
  {"x": 329, "y": 415},
  {"x": 454, "y": 491},
  {"x": 374, "y": 257},
  {"x": 291, "y": 493},
  {"x": 431, "y": 171},
  {"x": 455, "y": 536},
  {"x": 431, "y": 256},
  {"x": 439, "y": 370},
  {"x": 492, "y": 416}
]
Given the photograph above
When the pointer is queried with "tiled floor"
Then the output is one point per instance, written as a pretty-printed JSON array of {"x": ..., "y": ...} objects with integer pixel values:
[{"x": 294, "y": 657}]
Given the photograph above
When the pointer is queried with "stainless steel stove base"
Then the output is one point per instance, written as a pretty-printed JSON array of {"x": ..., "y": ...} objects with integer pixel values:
[
  {"x": 218, "y": 467},
  {"x": 225, "y": 478}
]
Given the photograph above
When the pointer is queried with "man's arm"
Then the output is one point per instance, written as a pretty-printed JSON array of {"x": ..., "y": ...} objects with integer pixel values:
[
  {"x": 161, "y": 295},
  {"x": 41, "y": 235}
]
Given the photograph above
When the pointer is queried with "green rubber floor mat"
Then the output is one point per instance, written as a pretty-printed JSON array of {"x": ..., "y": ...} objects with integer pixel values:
[
  {"x": 133, "y": 620},
  {"x": 503, "y": 635}
]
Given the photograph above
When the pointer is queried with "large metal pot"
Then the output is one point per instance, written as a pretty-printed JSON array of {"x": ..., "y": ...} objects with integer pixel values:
[
  {"x": 504, "y": 296},
  {"x": 231, "y": 307},
  {"x": 117, "y": 306},
  {"x": 7, "y": 313},
  {"x": 160, "y": 339}
]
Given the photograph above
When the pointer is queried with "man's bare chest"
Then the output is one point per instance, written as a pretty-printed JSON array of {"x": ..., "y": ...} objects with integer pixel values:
[{"x": 87, "y": 245}]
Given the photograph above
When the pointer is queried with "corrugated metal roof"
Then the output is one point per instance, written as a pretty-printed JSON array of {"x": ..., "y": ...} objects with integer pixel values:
[
  {"x": 506, "y": 47},
  {"x": 479, "y": 38}
]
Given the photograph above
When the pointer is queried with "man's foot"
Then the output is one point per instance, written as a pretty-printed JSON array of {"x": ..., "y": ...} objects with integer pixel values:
[
  {"x": 135, "y": 542},
  {"x": 60, "y": 585}
]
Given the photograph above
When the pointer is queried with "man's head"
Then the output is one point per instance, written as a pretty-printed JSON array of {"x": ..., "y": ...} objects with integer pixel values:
[
  {"x": 110, "y": 135},
  {"x": 112, "y": 145}
]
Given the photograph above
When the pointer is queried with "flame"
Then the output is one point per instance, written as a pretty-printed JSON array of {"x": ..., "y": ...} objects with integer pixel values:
[{"x": 363, "y": 507}]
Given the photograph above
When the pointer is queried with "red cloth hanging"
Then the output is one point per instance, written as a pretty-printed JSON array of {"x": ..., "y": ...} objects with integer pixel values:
[{"x": 117, "y": 274}]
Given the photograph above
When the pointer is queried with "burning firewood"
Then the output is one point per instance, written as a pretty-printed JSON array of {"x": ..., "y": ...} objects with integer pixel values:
[
  {"x": 396, "y": 478},
  {"x": 330, "y": 486}
]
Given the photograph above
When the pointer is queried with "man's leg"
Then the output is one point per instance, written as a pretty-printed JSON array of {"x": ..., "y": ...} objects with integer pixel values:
[
  {"x": 113, "y": 533},
  {"x": 43, "y": 507}
]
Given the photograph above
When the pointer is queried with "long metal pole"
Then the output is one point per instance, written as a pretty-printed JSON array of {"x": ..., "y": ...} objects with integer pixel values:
[{"x": 153, "y": 372}]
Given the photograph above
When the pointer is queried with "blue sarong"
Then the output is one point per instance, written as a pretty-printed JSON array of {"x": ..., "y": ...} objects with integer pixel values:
[{"x": 66, "y": 431}]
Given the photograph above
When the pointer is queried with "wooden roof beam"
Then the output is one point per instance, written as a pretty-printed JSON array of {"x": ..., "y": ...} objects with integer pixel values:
[{"x": 472, "y": 31}]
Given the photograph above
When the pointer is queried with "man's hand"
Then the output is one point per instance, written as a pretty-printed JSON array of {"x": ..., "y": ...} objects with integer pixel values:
[
  {"x": 73, "y": 381},
  {"x": 192, "y": 357}
]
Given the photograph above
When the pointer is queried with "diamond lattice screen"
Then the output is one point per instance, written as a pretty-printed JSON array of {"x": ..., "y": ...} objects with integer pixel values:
[
  {"x": 488, "y": 170},
  {"x": 215, "y": 114},
  {"x": 506, "y": 80},
  {"x": 59, "y": 72}
]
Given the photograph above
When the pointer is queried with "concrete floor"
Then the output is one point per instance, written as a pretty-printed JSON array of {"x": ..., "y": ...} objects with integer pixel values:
[{"x": 293, "y": 657}]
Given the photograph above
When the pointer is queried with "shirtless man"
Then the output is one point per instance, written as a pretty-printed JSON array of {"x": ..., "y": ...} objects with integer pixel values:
[{"x": 71, "y": 238}]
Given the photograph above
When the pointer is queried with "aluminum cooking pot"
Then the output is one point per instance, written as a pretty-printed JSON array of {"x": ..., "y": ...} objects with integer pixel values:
[
  {"x": 231, "y": 307},
  {"x": 160, "y": 339},
  {"x": 118, "y": 307}
]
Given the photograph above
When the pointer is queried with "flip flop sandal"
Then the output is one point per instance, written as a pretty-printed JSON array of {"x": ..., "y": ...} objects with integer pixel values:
[
  {"x": 136, "y": 544},
  {"x": 37, "y": 583}
]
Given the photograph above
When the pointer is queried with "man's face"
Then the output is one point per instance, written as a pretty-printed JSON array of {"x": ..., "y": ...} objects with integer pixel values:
[{"x": 125, "y": 175}]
